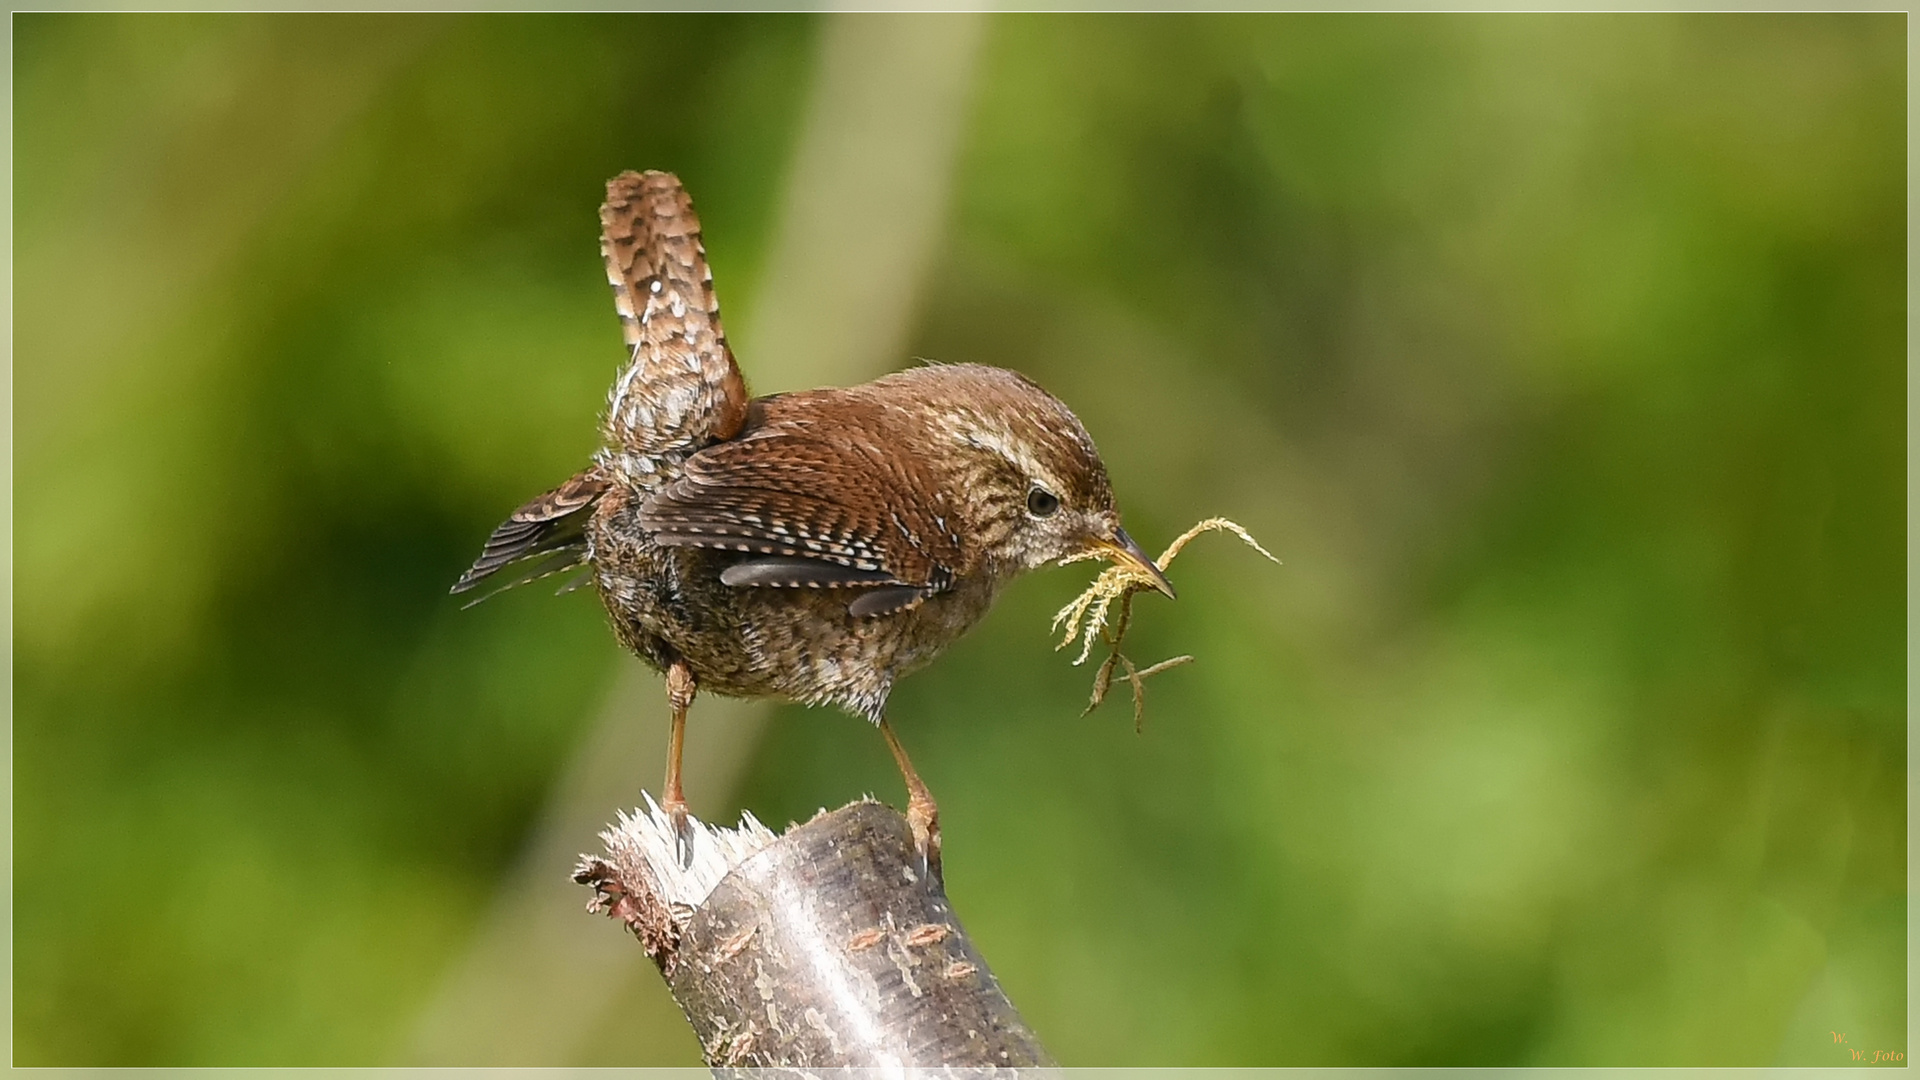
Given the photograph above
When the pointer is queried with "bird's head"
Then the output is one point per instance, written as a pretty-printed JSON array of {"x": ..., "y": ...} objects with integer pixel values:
[{"x": 1026, "y": 474}]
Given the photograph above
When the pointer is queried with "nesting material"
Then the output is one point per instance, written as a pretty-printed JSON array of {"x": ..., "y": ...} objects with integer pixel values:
[{"x": 1086, "y": 617}]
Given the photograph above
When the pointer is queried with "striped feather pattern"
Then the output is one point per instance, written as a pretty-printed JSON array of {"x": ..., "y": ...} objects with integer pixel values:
[
  {"x": 802, "y": 492},
  {"x": 681, "y": 389},
  {"x": 551, "y": 528}
]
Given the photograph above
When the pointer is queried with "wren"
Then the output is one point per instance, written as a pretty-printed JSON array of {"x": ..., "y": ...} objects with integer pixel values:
[{"x": 814, "y": 546}]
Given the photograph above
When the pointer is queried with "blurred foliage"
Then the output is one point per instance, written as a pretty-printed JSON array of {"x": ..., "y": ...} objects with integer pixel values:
[{"x": 1560, "y": 358}]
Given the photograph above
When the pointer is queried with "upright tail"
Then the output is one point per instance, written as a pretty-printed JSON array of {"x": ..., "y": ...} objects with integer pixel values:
[{"x": 680, "y": 390}]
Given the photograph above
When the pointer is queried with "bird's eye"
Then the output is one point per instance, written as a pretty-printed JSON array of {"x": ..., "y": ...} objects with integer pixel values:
[{"x": 1042, "y": 503}]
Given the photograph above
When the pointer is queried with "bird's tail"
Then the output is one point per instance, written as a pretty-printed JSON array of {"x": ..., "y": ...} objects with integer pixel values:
[{"x": 680, "y": 389}]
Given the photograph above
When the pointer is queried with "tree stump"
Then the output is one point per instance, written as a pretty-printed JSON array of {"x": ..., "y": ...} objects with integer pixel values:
[{"x": 829, "y": 946}]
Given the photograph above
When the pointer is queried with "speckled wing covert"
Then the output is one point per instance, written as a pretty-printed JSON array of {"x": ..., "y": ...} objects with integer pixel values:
[
  {"x": 680, "y": 390},
  {"x": 823, "y": 507}
]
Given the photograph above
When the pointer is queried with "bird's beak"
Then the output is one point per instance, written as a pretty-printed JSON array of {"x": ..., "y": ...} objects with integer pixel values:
[{"x": 1123, "y": 550}]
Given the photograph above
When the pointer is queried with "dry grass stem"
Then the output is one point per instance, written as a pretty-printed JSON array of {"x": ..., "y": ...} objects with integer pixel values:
[{"x": 1086, "y": 617}]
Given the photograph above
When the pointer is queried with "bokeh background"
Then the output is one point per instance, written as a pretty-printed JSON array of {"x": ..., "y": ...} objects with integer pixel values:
[{"x": 1560, "y": 358}]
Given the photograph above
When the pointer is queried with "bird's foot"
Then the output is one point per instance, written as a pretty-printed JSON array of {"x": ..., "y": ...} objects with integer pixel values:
[
  {"x": 676, "y": 811},
  {"x": 923, "y": 817}
]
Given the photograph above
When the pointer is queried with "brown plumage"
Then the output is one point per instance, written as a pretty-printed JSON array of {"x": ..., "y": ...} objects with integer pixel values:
[{"x": 813, "y": 546}]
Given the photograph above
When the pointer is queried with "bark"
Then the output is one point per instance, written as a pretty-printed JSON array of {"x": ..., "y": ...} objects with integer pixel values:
[{"x": 828, "y": 946}]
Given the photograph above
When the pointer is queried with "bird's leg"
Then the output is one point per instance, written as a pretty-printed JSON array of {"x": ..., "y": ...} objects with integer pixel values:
[
  {"x": 680, "y": 688},
  {"x": 922, "y": 815}
]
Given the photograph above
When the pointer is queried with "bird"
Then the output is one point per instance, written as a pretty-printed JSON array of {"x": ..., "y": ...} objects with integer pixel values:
[{"x": 813, "y": 546}]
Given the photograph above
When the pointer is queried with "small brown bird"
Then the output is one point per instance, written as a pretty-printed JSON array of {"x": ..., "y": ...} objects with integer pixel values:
[{"x": 812, "y": 546}]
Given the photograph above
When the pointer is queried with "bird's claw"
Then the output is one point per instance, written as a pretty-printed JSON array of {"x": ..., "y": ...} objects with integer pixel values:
[
  {"x": 924, "y": 819},
  {"x": 682, "y": 832}
]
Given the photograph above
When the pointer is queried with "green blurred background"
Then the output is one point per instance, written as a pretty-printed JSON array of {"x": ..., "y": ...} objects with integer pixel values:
[{"x": 1560, "y": 358}]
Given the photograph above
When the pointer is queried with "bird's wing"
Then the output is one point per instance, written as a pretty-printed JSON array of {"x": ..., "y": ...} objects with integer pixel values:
[
  {"x": 680, "y": 390},
  {"x": 821, "y": 509},
  {"x": 543, "y": 537}
]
